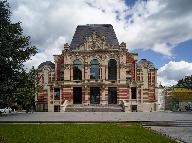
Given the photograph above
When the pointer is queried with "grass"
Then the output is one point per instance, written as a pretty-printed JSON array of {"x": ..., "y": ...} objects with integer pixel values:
[{"x": 79, "y": 133}]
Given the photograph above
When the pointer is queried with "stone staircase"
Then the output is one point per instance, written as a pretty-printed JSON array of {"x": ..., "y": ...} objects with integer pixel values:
[{"x": 93, "y": 108}]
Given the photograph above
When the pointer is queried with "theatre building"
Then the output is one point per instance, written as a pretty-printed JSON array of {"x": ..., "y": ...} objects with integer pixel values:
[{"x": 96, "y": 70}]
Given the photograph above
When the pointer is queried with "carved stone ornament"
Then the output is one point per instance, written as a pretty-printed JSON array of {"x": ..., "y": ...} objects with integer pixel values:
[
  {"x": 95, "y": 42},
  {"x": 113, "y": 55},
  {"x": 66, "y": 46},
  {"x": 104, "y": 56},
  {"x": 94, "y": 37},
  {"x": 100, "y": 57},
  {"x": 94, "y": 46},
  {"x": 122, "y": 65},
  {"x": 123, "y": 44},
  {"x": 145, "y": 65},
  {"x": 67, "y": 66}
]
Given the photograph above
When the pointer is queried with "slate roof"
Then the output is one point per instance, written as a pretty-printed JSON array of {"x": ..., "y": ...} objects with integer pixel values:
[
  {"x": 83, "y": 31},
  {"x": 49, "y": 63},
  {"x": 142, "y": 62}
]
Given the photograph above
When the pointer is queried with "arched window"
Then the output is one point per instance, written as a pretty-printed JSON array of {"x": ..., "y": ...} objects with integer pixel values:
[
  {"x": 112, "y": 69},
  {"x": 77, "y": 70},
  {"x": 94, "y": 69}
]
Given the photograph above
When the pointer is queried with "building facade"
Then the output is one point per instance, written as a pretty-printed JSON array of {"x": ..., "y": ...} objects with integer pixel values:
[
  {"x": 161, "y": 97},
  {"x": 96, "y": 70}
]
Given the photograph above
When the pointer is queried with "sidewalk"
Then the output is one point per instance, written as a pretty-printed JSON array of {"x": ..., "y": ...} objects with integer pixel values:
[{"x": 95, "y": 117}]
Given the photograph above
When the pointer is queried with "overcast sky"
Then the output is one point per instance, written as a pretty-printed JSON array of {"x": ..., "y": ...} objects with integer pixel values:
[{"x": 159, "y": 30}]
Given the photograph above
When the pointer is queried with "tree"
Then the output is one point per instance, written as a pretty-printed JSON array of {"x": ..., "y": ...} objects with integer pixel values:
[
  {"x": 15, "y": 49},
  {"x": 185, "y": 82},
  {"x": 28, "y": 89}
]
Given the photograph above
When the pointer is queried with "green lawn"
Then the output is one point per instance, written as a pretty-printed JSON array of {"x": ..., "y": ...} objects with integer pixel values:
[{"x": 78, "y": 133}]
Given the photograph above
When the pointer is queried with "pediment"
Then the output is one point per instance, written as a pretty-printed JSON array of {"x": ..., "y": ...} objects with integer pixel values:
[{"x": 94, "y": 42}]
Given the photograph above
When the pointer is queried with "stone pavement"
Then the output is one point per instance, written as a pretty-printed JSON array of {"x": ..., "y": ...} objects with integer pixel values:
[
  {"x": 176, "y": 125},
  {"x": 96, "y": 116},
  {"x": 182, "y": 134}
]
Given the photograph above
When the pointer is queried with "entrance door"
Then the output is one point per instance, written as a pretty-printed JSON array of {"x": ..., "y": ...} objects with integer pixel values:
[
  {"x": 133, "y": 93},
  {"x": 95, "y": 95},
  {"x": 134, "y": 108},
  {"x": 112, "y": 95},
  {"x": 77, "y": 95},
  {"x": 56, "y": 108}
]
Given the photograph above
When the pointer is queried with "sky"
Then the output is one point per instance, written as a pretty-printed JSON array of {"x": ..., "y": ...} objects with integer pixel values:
[{"x": 158, "y": 30}]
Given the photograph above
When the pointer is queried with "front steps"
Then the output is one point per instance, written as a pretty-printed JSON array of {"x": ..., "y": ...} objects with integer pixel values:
[{"x": 93, "y": 108}]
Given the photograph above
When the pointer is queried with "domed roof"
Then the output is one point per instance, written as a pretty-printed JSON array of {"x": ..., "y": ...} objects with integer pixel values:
[
  {"x": 48, "y": 63},
  {"x": 145, "y": 63}
]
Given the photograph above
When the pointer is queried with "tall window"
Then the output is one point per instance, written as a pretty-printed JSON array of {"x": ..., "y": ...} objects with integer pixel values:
[
  {"x": 94, "y": 69},
  {"x": 77, "y": 70},
  {"x": 62, "y": 72},
  {"x": 112, "y": 70},
  {"x": 56, "y": 93}
]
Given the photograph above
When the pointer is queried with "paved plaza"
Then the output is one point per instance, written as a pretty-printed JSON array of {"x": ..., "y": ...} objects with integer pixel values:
[
  {"x": 182, "y": 134},
  {"x": 96, "y": 116},
  {"x": 176, "y": 125}
]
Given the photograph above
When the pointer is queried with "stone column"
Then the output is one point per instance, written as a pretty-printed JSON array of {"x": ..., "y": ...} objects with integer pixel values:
[
  {"x": 83, "y": 72},
  {"x": 141, "y": 98},
  {"x": 86, "y": 71},
  {"x": 70, "y": 72},
  {"x": 50, "y": 106},
  {"x": 67, "y": 72},
  {"x": 87, "y": 101},
  {"x": 118, "y": 71},
  {"x": 103, "y": 72},
  {"x": 106, "y": 94},
  {"x": 103, "y": 102},
  {"x": 106, "y": 72},
  {"x": 86, "y": 88}
]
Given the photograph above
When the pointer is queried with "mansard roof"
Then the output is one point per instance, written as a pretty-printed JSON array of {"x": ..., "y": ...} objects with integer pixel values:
[
  {"x": 83, "y": 31},
  {"x": 145, "y": 63},
  {"x": 48, "y": 63}
]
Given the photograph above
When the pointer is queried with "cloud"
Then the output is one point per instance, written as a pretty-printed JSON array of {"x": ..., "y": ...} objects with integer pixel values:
[
  {"x": 47, "y": 54},
  {"x": 170, "y": 73},
  {"x": 157, "y": 25}
]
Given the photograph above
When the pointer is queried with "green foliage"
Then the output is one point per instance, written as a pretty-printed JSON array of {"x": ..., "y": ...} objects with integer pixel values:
[
  {"x": 28, "y": 89},
  {"x": 80, "y": 133},
  {"x": 185, "y": 82},
  {"x": 15, "y": 49}
]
